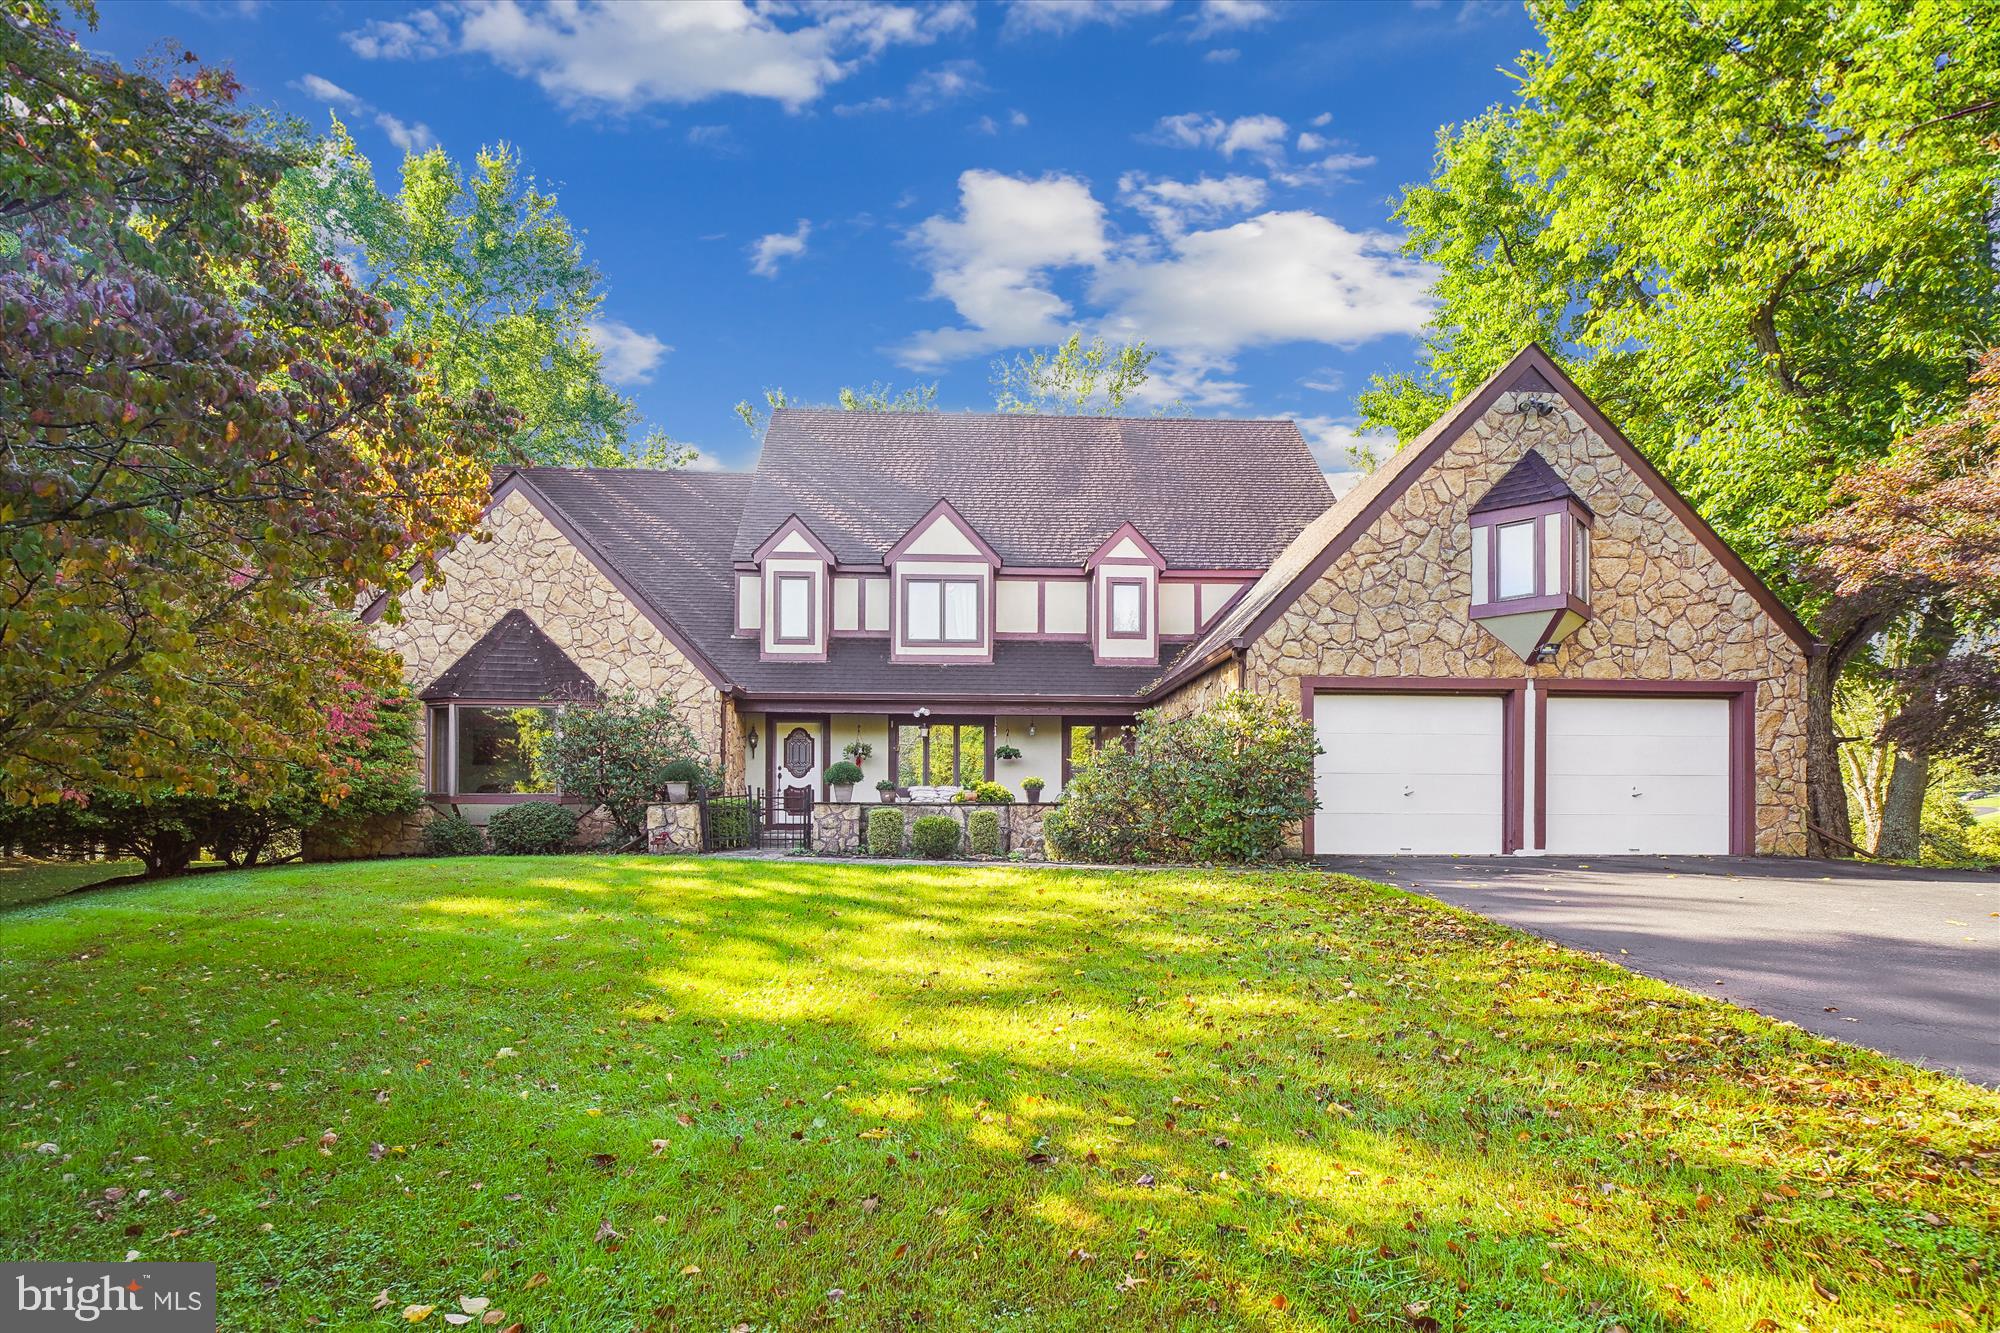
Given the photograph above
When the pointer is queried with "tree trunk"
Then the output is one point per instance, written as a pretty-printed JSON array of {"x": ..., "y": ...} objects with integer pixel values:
[
  {"x": 1826, "y": 795},
  {"x": 1903, "y": 808}
]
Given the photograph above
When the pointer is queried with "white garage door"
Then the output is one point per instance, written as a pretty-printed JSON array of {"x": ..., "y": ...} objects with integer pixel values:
[
  {"x": 1407, "y": 773},
  {"x": 1638, "y": 775}
]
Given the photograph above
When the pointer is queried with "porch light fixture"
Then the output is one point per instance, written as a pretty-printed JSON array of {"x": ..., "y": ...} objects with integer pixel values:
[{"x": 750, "y": 739}]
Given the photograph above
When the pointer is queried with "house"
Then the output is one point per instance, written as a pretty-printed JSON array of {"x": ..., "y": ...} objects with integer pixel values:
[{"x": 1512, "y": 636}]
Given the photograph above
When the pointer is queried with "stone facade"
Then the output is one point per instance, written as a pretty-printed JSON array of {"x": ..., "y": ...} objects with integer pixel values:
[
  {"x": 673, "y": 829},
  {"x": 841, "y": 829},
  {"x": 1396, "y": 602},
  {"x": 529, "y": 564},
  {"x": 1199, "y": 693},
  {"x": 385, "y": 835}
]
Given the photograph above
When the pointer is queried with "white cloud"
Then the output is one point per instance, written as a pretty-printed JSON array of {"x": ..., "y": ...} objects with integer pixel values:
[
  {"x": 417, "y": 35},
  {"x": 1199, "y": 297},
  {"x": 1221, "y": 55},
  {"x": 1278, "y": 277},
  {"x": 767, "y": 252},
  {"x": 945, "y": 83},
  {"x": 1325, "y": 380},
  {"x": 1312, "y": 143},
  {"x": 326, "y": 90},
  {"x": 1066, "y": 16},
  {"x": 1018, "y": 119},
  {"x": 410, "y": 136},
  {"x": 592, "y": 54},
  {"x": 720, "y": 139},
  {"x": 627, "y": 355},
  {"x": 1226, "y": 15},
  {"x": 992, "y": 261},
  {"x": 1259, "y": 136},
  {"x": 1322, "y": 120},
  {"x": 1172, "y": 205},
  {"x": 1333, "y": 169}
]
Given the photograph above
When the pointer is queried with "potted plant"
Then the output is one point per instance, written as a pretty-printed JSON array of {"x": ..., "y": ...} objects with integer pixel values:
[
  {"x": 1033, "y": 786},
  {"x": 1006, "y": 752},
  {"x": 842, "y": 777},
  {"x": 681, "y": 774},
  {"x": 887, "y": 787},
  {"x": 858, "y": 752}
]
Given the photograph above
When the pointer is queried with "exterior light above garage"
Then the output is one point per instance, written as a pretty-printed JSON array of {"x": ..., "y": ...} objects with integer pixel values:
[{"x": 1530, "y": 559}]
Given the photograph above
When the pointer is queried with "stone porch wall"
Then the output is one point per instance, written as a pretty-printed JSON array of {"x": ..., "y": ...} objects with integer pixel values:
[
  {"x": 673, "y": 829},
  {"x": 1396, "y": 603},
  {"x": 841, "y": 828}
]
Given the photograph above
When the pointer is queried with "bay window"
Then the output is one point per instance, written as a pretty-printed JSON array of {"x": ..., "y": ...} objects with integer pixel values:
[
  {"x": 489, "y": 749},
  {"x": 1514, "y": 555}
]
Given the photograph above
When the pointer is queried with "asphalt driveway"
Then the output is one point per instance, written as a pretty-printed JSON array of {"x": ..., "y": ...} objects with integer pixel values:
[{"x": 1903, "y": 961}]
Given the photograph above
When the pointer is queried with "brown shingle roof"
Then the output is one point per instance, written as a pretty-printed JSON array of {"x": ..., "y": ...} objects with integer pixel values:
[
  {"x": 1530, "y": 481},
  {"x": 513, "y": 660},
  {"x": 1042, "y": 490}
]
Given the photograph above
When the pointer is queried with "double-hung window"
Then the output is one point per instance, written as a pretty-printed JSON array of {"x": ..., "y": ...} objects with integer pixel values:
[
  {"x": 941, "y": 610},
  {"x": 1128, "y": 608},
  {"x": 794, "y": 609},
  {"x": 1514, "y": 549}
]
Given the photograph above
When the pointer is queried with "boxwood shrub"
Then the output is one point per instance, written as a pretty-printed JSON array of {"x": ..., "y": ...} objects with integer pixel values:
[
  {"x": 453, "y": 835},
  {"x": 885, "y": 831},
  {"x": 533, "y": 828},
  {"x": 982, "y": 832},
  {"x": 984, "y": 793},
  {"x": 934, "y": 836}
]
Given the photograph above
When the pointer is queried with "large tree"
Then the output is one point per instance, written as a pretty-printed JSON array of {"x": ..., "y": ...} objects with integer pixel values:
[
  {"x": 206, "y": 448},
  {"x": 1760, "y": 235},
  {"x": 482, "y": 271}
]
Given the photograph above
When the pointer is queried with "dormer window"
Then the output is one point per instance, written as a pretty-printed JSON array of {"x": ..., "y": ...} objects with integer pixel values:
[
  {"x": 1530, "y": 558},
  {"x": 942, "y": 610},
  {"x": 794, "y": 609},
  {"x": 1128, "y": 608},
  {"x": 1125, "y": 597}
]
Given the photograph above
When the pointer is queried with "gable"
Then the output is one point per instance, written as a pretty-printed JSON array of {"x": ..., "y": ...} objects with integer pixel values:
[
  {"x": 1470, "y": 427},
  {"x": 942, "y": 533},
  {"x": 513, "y": 660}
]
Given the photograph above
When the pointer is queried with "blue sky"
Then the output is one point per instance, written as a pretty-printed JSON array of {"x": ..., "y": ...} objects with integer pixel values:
[{"x": 818, "y": 195}]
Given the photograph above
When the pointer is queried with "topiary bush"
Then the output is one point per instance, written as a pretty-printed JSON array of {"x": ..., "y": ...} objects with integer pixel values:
[
  {"x": 532, "y": 828},
  {"x": 885, "y": 831},
  {"x": 934, "y": 837},
  {"x": 683, "y": 770},
  {"x": 982, "y": 832},
  {"x": 843, "y": 774},
  {"x": 453, "y": 835},
  {"x": 984, "y": 793}
]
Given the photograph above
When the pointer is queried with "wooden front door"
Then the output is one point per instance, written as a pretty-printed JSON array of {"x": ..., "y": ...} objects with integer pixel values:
[{"x": 795, "y": 781}]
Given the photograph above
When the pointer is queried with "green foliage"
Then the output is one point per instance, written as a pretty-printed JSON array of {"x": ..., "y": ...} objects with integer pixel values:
[
  {"x": 728, "y": 822},
  {"x": 1224, "y": 784},
  {"x": 877, "y": 397},
  {"x": 206, "y": 444},
  {"x": 934, "y": 837},
  {"x": 1760, "y": 236},
  {"x": 886, "y": 784},
  {"x": 1006, "y": 752},
  {"x": 982, "y": 832},
  {"x": 843, "y": 773},
  {"x": 619, "y": 752},
  {"x": 1032, "y": 785},
  {"x": 485, "y": 274},
  {"x": 531, "y": 828},
  {"x": 984, "y": 793},
  {"x": 1073, "y": 379},
  {"x": 885, "y": 831},
  {"x": 453, "y": 835},
  {"x": 683, "y": 770}
]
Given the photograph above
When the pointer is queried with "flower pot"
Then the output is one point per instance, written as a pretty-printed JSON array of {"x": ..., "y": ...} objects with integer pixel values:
[
  {"x": 677, "y": 792},
  {"x": 1034, "y": 796},
  {"x": 843, "y": 791}
]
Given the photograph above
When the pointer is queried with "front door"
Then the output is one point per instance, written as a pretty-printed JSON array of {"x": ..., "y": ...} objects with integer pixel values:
[{"x": 795, "y": 783}]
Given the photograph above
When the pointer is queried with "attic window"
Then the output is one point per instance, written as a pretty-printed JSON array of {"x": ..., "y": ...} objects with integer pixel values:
[
  {"x": 1530, "y": 540},
  {"x": 1515, "y": 568}
]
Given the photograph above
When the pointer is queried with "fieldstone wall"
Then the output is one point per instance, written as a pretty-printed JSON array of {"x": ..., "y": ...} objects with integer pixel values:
[
  {"x": 385, "y": 835},
  {"x": 530, "y": 565},
  {"x": 841, "y": 828},
  {"x": 1205, "y": 689},
  {"x": 1396, "y": 603},
  {"x": 673, "y": 829}
]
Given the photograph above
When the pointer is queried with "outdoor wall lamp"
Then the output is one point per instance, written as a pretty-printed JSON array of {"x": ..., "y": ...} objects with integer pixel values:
[
  {"x": 750, "y": 739},
  {"x": 1534, "y": 407}
]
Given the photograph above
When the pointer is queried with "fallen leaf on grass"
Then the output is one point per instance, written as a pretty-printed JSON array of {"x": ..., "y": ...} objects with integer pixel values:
[
  {"x": 474, "y": 1304},
  {"x": 416, "y": 1314},
  {"x": 537, "y": 1280},
  {"x": 383, "y": 1301},
  {"x": 871, "y": 1203},
  {"x": 1279, "y": 1302},
  {"x": 607, "y": 1233}
]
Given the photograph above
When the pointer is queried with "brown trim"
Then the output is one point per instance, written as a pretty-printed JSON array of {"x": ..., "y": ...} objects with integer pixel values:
[
  {"x": 502, "y": 798},
  {"x": 792, "y": 524},
  {"x": 1111, "y": 630},
  {"x": 931, "y": 515},
  {"x": 779, "y": 578},
  {"x": 981, "y": 640},
  {"x": 1742, "y": 697},
  {"x": 1210, "y": 575},
  {"x": 1512, "y": 690},
  {"x": 1011, "y": 705},
  {"x": 1151, "y": 553},
  {"x": 1124, "y": 724},
  {"x": 897, "y": 721}
]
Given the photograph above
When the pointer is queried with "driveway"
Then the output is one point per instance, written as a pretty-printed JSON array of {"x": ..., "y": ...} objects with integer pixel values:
[{"x": 1904, "y": 961}]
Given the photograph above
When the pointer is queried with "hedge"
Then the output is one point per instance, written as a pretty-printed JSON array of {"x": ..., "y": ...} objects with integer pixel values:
[
  {"x": 532, "y": 828},
  {"x": 453, "y": 835},
  {"x": 885, "y": 831},
  {"x": 934, "y": 836},
  {"x": 982, "y": 832}
]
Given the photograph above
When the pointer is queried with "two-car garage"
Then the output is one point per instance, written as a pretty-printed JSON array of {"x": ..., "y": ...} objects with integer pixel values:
[{"x": 1489, "y": 767}]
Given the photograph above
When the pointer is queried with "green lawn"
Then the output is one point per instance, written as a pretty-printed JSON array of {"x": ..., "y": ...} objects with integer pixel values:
[
  {"x": 619, "y": 1093},
  {"x": 24, "y": 880}
]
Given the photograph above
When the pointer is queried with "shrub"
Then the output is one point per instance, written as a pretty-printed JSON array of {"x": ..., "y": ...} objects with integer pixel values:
[
  {"x": 984, "y": 793},
  {"x": 728, "y": 822},
  {"x": 1223, "y": 784},
  {"x": 532, "y": 828},
  {"x": 885, "y": 831},
  {"x": 934, "y": 837},
  {"x": 618, "y": 752},
  {"x": 982, "y": 832},
  {"x": 843, "y": 774},
  {"x": 1006, "y": 752},
  {"x": 886, "y": 785},
  {"x": 453, "y": 835},
  {"x": 1032, "y": 786}
]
